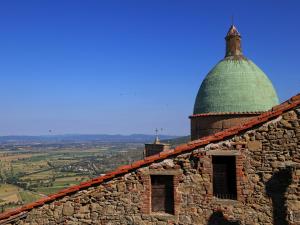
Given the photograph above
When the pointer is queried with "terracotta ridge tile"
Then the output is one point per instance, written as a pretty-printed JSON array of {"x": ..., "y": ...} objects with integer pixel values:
[
  {"x": 8, "y": 214},
  {"x": 265, "y": 116},
  {"x": 137, "y": 164},
  {"x": 108, "y": 175},
  {"x": 86, "y": 184},
  {"x": 165, "y": 154},
  {"x": 221, "y": 134},
  {"x": 203, "y": 142},
  {"x": 151, "y": 158},
  {"x": 296, "y": 97},
  {"x": 125, "y": 168}
]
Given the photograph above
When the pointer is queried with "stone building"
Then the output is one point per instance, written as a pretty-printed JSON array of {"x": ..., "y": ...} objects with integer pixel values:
[
  {"x": 234, "y": 91},
  {"x": 155, "y": 147},
  {"x": 247, "y": 174}
]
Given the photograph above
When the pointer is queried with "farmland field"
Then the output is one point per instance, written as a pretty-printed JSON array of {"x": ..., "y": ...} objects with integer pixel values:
[
  {"x": 31, "y": 168},
  {"x": 9, "y": 193},
  {"x": 28, "y": 196},
  {"x": 33, "y": 171}
]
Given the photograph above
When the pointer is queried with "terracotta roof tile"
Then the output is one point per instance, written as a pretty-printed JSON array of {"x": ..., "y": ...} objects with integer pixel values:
[
  {"x": 137, "y": 164},
  {"x": 97, "y": 179},
  {"x": 86, "y": 184},
  {"x": 296, "y": 98},
  {"x": 225, "y": 113},
  {"x": 203, "y": 142},
  {"x": 180, "y": 148},
  {"x": 111, "y": 174},
  {"x": 165, "y": 154},
  {"x": 151, "y": 158},
  {"x": 125, "y": 168},
  {"x": 266, "y": 116}
]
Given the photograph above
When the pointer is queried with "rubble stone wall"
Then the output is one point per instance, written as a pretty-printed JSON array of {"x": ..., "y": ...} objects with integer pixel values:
[{"x": 268, "y": 188}]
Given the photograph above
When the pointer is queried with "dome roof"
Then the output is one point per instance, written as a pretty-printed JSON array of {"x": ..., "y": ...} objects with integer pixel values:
[{"x": 235, "y": 84}]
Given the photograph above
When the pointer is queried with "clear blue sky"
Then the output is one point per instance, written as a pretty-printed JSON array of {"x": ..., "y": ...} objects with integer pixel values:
[{"x": 127, "y": 66}]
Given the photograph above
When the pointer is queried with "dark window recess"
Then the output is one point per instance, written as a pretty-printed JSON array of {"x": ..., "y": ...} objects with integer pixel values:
[
  {"x": 162, "y": 194},
  {"x": 224, "y": 177}
]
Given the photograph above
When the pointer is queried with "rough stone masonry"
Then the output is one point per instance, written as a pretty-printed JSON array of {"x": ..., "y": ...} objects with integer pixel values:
[{"x": 267, "y": 186}]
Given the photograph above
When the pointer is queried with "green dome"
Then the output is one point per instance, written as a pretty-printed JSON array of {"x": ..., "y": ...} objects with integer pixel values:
[{"x": 235, "y": 86}]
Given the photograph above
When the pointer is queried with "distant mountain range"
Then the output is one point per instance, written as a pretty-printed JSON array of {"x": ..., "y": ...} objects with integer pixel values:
[{"x": 81, "y": 138}]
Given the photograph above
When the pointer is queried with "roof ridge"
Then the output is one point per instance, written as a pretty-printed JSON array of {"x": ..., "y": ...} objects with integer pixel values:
[{"x": 189, "y": 146}]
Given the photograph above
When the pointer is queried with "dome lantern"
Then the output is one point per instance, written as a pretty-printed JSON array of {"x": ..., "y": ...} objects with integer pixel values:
[{"x": 233, "y": 44}]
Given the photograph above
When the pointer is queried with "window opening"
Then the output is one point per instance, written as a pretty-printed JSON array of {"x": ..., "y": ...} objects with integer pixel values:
[
  {"x": 162, "y": 193},
  {"x": 224, "y": 177}
]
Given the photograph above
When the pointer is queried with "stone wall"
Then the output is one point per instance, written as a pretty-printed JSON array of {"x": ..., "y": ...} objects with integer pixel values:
[{"x": 268, "y": 190}]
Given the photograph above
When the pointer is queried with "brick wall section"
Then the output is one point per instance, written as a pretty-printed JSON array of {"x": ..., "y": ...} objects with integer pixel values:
[
  {"x": 202, "y": 126},
  {"x": 146, "y": 196},
  {"x": 268, "y": 174},
  {"x": 240, "y": 161}
]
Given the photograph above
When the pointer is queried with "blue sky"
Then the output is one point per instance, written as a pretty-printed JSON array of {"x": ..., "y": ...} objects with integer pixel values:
[{"x": 128, "y": 66}]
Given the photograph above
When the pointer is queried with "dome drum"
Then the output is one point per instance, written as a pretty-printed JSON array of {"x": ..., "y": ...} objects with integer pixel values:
[{"x": 204, "y": 125}]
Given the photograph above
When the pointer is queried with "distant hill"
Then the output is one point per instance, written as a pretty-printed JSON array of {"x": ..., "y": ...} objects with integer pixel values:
[
  {"x": 177, "y": 140},
  {"x": 81, "y": 138}
]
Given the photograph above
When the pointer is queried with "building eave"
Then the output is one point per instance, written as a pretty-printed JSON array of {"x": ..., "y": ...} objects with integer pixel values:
[{"x": 187, "y": 147}]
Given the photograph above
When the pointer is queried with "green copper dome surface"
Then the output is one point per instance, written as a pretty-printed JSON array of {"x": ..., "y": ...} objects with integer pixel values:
[{"x": 235, "y": 86}]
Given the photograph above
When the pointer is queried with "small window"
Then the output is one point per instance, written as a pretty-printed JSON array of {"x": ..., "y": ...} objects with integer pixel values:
[
  {"x": 224, "y": 177},
  {"x": 162, "y": 194}
]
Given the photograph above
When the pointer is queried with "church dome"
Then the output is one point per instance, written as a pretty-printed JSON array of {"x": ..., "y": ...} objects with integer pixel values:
[{"x": 235, "y": 84}]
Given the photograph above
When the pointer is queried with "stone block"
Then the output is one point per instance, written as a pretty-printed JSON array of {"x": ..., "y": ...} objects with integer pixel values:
[{"x": 254, "y": 145}]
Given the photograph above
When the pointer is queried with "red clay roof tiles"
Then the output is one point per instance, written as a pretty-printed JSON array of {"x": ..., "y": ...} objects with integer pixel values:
[
  {"x": 224, "y": 113},
  {"x": 275, "y": 111}
]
